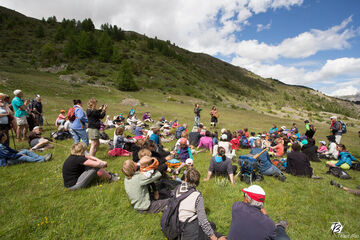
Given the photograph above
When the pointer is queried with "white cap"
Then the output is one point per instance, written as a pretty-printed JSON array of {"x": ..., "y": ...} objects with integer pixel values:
[
  {"x": 283, "y": 127},
  {"x": 17, "y": 91},
  {"x": 189, "y": 161},
  {"x": 37, "y": 127},
  {"x": 223, "y": 137},
  {"x": 255, "y": 192},
  {"x": 323, "y": 142},
  {"x": 333, "y": 117},
  {"x": 223, "y": 130}
]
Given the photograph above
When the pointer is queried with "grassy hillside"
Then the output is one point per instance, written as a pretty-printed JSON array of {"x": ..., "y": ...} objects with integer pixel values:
[{"x": 34, "y": 203}]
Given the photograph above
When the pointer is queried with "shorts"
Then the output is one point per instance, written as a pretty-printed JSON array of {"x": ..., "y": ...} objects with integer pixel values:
[
  {"x": 93, "y": 133},
  {"x": 85, "y": 178},
  {"x": 21, "y": 120}
]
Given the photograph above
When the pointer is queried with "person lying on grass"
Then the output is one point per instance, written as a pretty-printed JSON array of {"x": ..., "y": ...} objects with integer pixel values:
[
  {"x": 192, "y": 211},
  {"x": 353, "y": 191},
  {"x": 9, "y": 156},
  {"x": 221, "y": 165},
  {"x": 136, "y": 187},
  {"x": 79, "y": 170},
  {"x": 344, "y": 158},
  {"x": 250, "y": 220},
  {"x": 206, "y": 142},
  {"x": 36, "y": 141}
]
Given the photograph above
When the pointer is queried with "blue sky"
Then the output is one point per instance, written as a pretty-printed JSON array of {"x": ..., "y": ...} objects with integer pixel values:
[{"x": 315, "y": 43}]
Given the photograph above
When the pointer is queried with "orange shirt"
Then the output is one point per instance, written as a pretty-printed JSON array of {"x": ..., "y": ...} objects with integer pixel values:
[{"x": 279, "y": 150}]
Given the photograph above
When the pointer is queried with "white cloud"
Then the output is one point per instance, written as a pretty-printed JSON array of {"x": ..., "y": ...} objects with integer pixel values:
[
  {"x": 261, "y": 27},
  {"x": 350, "y": 90}
]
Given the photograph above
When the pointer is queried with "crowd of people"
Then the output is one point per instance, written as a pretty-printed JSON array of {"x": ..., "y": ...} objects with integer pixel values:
[{"x": 152, "y": 180}]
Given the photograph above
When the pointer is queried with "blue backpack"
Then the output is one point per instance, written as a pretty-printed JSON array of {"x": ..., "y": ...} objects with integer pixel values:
[
  {"x": 248, "y": 164},
  {"x": 178, "y": 132},
  {"x": 343, "y": 127},
  {"x": 244, "y": 142}
]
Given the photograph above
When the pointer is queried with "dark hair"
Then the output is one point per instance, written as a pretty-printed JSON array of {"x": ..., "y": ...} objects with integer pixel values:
[
  {"x": 331, "y": 138},
  {"x": 149, "y": 143},
  {"x": 296, "y": 147},
  {"x": 192, "y": 177},
  {"x": 342, "y": 146},
  {"x": 201, "y": 126},
  {"x": 208, "y": 134},
  {"x": 311, "y": 141},
  {"x": 2, "y": 134},
  {"x": 221, "y": 152},
  {"x": 252, "y": 133},
  {"x": 77, "y": 101}
]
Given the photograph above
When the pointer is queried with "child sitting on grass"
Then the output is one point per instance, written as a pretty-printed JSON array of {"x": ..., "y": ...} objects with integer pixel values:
[
  {"x": 189, "y": 163},
  {"x": 184, "y": 153},
  {"x": 322, "y": 149},
  {"x": 136, "y": 187}
]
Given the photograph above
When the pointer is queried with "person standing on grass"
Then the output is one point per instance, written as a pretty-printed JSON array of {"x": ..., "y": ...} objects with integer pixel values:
[
  {"x": 214, "y": 117},
  {"x": 5, "y": 117},
  {"x": 250, "y": 220},
  {"x": 9, "y": 156},
  {"x": 37, "y": 109},
  {"x": 310, "y": 129},
  {"x": 19, "y": 106},
  {"x": 197, "y": 111},
  {"x": 336, "y": 129},
  {"x": 94, "y": 117},
  {"x": 79, "y": 170},
  {"x": 78, "y": 126}
]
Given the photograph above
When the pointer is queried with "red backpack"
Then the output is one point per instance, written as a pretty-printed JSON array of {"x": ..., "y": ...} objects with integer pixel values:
[{"x": 71, "y": 114}]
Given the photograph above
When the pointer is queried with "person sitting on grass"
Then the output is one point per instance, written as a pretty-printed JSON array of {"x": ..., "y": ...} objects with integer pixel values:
[
  {"x": 9, "y": 156},
  {"x": 298, "y": 163},
  {"x": 206, "y": 142},
  {"x": 136, "y": 187},
  {"x": 344, "y": 158},
  {"x": 37, "y": 142},
  {"x": 221, "y": 165},
  {"x": 279, "y": 148},
  {"x": 266, "y": 167},
  {"x": 224, "y": 143},
  {"x": 250, "y": 220},
  {"x": 353, "y": 191},
  {"x": 310, "y": 149},
  {"x": 155, "y": 137},
  {"x": 332, "y": 153},
  {"x": 79, "y": 170},
  {"x": 61, "y": 119},
  {"x": 184, "y": 153},
  {"x": 189, "y": 163},
  {"x": 192, "y": 213},
  {"x": 322, "y": 149}
]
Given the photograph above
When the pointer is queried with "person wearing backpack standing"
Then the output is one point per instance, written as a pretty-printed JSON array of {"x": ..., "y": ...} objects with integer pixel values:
[
  {"x": 336, "y": 129},
  {"x": 310, "y": 129},
  {"x": 191, "y": 215},
  {"x": 78, "y": 120},
  {"x": 94, "y": 117},
  {"x": 197, "y": 111}
]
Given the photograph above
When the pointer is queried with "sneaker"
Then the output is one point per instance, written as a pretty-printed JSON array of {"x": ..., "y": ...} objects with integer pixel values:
[
  {"x": 113, "y": 178},
  {"x": 47, "y": 157},
  {"x": 332, "y": 182},
  {"x": 283, "y": 223},
  {"x": 316, "y": 177},
  {"x": 280, "y": 176}
]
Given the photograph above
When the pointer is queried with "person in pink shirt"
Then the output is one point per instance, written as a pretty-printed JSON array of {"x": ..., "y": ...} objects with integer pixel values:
[
  {"x": 279, "y": 148},
  {"x": 322, "y": 148},
  {"x": 61, "y": 118},
  {"x": 206, "y": 142}
]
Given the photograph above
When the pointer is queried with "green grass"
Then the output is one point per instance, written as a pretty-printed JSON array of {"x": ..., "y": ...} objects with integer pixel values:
[{"x": 31, "y": 192}]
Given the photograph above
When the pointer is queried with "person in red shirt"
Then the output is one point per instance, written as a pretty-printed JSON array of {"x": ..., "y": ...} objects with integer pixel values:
[{"x": 279, "y": 148}]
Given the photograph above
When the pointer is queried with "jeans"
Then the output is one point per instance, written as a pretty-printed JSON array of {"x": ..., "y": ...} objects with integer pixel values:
[
  {"x": 197, "y": 121},
  {"x": 29, "y": 156},
  {"x": 271, "y": 171},
  {"x": 80, "y": 134}
]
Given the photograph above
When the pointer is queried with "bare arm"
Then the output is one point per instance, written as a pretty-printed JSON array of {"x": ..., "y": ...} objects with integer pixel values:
[
  {"x": 208, "y": 176},
  {"x": 231, "y": 176}
]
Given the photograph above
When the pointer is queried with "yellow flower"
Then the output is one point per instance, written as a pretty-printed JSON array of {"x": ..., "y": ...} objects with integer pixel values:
[{"x": 100, "y": 185}]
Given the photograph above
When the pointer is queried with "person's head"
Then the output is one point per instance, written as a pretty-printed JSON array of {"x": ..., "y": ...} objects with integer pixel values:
[
  {"x": 196, "y": 105},
  {"x": 274, "y": 125},
  {"x": 223, "y": 130},
  {"x": 156, "y": 131},
  {"x": 192, "y": 177},
  {"x": 129, "y": 168},
  {"x": 296, "y": 147},
  {"x": 36, "y": 130},
  {"x": 322, "y": 143},
  {"x": 201, "y": 126},
  {"x": 246, "y": 130},
  {"x": 221, "y": 153},
  {"x": 144, "y": 152},
  {"x": 62, "y": 111},
  {"x": 183, "y": 142},
  {"x": 3, "y": 137},
  {"x": 213, "y": 108},
  {"x": 18, "y": 93},
  {"x": 223, "y": 137},
  {"x": 148, "y": 163},
  {"x": 77, "y": 102},
  {"x": 306, "y": 121},
  {"x": 333, "y": 119},
  {"x": 252, "y": 134},
  {"x": 92, "y": 103},
  {"x": 234, "y": 134},
  {"x": 119, "y": 131},
  {"x": 331, "y": 138},
  {"x": 78, "y": 149},
  {"x": 359, "y": 133},
  {"x": 207, "y": 133},
  {"x": 294, "y": 124},
  {"x": 278, "y": 140},
  {"x": 311, "y": 141},
  {"x": 38, "y": 98},
  {"x": 2, "y": 97},
  {"x": 341, "y": 148},
  {"x": 150, "y": 144},
  {"x": 140, "y": 142},
  {"x": 189, "y": 163},
  {"x": 258, "y": 143},
  {"x": 195, "y": 129},
  {"x": 185, "y": 134},
  {"x": 254, "y": 195}
]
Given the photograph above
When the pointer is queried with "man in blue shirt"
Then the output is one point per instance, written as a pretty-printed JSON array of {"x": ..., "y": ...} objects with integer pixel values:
[{"x": 20, "y": 114}]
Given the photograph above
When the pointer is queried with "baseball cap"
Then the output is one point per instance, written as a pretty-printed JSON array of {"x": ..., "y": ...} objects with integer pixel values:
[
  {"x": 189, "y": 161},
  {"x": 223, "y": 137},
  {"x": 333, "y": 117},
  {"x": 255, "y": 192}
]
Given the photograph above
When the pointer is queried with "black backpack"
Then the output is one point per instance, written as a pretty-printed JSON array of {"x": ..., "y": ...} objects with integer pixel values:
[
  {"x": 170, "y": 224},
  {"x": 338, "y": 172}
]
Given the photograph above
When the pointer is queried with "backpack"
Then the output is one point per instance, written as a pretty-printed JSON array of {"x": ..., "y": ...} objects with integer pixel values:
[
  {"x": 312, "y": 128},
  {"x": 338, "y": 172},
  {"x": 343, "y": 127},
  {"x": 170, "y": 224},
  {"x": 71, "y": 114},
  {"x": 244, "y": 142}
]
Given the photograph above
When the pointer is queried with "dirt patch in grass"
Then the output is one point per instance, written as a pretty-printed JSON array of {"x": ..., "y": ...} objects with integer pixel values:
[{"x": 130, "y": 102}]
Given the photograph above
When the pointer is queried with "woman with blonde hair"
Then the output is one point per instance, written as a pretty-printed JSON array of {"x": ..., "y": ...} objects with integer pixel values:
[
  {"x": 79, "y": 169},
  {"x": 94, "y": 117}
]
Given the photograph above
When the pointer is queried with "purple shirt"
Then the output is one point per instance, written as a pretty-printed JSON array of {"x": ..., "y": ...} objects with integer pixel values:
[{"x": 206, "y": 142}]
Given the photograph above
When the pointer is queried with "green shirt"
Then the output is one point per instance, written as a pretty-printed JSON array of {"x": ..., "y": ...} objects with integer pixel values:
[
  {"x": 307, "y": 126},
  {"x": 17, "y": 103},
  {"x": 137, "y": 190}
]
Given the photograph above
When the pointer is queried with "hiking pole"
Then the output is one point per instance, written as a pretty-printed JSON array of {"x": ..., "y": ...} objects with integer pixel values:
[{"x": 12, "y": 132}]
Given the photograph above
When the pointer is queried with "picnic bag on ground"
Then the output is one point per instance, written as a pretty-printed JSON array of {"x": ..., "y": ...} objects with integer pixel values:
[
  {"x": 170, "y": 224},
  {"x": 338, "y": 172}
]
